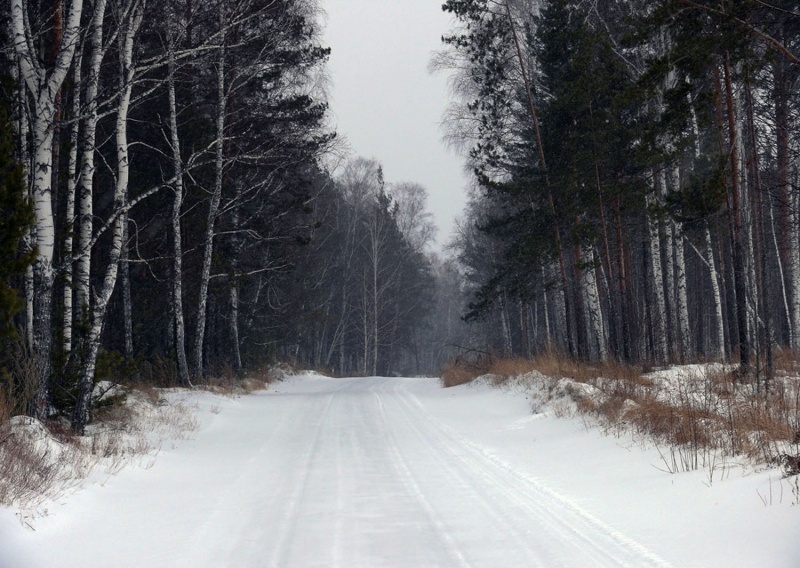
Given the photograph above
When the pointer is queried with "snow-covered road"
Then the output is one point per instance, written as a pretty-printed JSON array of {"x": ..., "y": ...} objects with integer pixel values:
[{"x": 333, "y": 473}]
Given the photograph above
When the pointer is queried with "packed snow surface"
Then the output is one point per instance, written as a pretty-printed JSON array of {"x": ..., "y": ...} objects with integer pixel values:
[{"x": 379, "y": 472}]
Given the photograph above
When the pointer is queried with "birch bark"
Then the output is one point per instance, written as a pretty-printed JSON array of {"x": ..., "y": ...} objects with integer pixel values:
[
  {"x": 43, "y": 86},
  {"x": 659, "y": 310},
  {"x": 129, "y": 28},
  {"x": 72, "y": 182},
  {"x": 715, "y": 290},
  {"x": 86, "y": 179},
  {"x": 216, "y": 197},
  {"x": 177, "y": 204},
  {"x": 592, "y": 299}
]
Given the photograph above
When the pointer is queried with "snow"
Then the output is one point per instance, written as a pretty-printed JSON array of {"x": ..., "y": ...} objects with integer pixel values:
[{"x": 378, "y": 472}]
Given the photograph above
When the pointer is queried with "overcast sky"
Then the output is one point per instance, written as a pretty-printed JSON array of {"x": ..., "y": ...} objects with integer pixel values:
[{"x": 385, "y": 102}]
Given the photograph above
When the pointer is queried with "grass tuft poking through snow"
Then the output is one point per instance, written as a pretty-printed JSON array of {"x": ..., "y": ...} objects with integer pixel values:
[
  {"x": 699, "y": 416},
  {"x": 40, "y": 462}
]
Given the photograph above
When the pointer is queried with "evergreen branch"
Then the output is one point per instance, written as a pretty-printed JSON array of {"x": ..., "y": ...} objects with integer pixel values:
[{"x": 774, "y": 43}]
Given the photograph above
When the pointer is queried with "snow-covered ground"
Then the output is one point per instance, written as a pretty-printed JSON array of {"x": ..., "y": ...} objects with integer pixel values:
[{"x": 402, "y": 473}]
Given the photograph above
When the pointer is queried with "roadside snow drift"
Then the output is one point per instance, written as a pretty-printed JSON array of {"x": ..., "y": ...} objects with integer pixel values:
[{"x": 402, "y": 473}]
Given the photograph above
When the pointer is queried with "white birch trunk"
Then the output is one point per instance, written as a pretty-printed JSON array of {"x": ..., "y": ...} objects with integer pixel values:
[
  {"x": 85, "y": 182},
  {"x": 30, "y": 238},
  {"x": 127, "y": 303},
  {"x": 659, "y": 311},
  {"x": 679, "y": 262},
  {"x": 591, "y": 296},
  {"x": 548, "y": 334},
  {"x": 720, "y": 324},
  {"x": 72, "y": 170},
  {"x": 126, "y": 42},
  {"x": 43, "y": 86},
  {"x": 213, "y": 209},
  {"x": 237, "y": 353},
  {"x": 375, "y": 265},
  {"x": 681, "y": 313},
  {"x": 365, "y": 303},
  {"x": 681, "y": 302},
  {"x": 669, "y": 280},
  {"x": 748, "y": 224},
  {"x": 177, "y": 243}
]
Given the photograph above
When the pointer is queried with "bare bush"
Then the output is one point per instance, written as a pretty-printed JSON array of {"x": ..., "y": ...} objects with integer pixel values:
[{"x": 40, "y": 462}]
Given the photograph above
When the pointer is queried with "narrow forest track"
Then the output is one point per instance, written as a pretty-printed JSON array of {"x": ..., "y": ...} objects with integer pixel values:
[{"x": 342, "y": 473}]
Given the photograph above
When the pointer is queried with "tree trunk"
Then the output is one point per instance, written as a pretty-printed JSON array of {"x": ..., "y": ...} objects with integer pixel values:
[
  {"x": 127, "y": 304},
  {"x": 237, "y": 354},
  {"x": 216, "y": 197},
  {"x": 681, "y": 303},
  {"x": 598, "y": 349},
  {"x": 786, "y": 248},
  {"x": 739, "y": 261},
  {"x": 715, "y": 290},
  {"x": 177, "y": 243},
  {"x": 88, "y": 150},
  {"x": 129, "y": 28},
  {"x": 658, "y": 311},
  {"x": 72, "y": 182}
]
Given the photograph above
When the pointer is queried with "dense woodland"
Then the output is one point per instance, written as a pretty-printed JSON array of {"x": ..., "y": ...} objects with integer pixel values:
[
  {"x": 170, "y": 212},
  {"x": 175, "y": 205},
  {"x": 636, "y": 176}
]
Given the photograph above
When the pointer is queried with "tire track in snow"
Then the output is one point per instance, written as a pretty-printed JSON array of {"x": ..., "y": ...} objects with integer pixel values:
[
  {"x": 402, "y": 467},
  {"x": 288, "y": 523},
  {"x": 505, "y": 526},
  {"x": 556, "y": 512},
  {"x": 208, "y": 542}
]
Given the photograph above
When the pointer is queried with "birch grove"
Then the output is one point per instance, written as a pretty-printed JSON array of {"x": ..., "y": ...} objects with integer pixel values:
[{"x": 125, "y": 82}]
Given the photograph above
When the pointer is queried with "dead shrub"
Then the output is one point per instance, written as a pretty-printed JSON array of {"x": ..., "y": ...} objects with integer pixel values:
[
  {"x": 5, "y": 406},
  {"x": 455, "y": 374},
  {"x": 557, "y": 364},
  {"x": 147, "y": 392},
  {"x": 507, "y": 368},
  {"x": 266, "y": 374},
  {"x": 611, "y": 408},
  {"x": 722, "y": 383},
  {"x": 231, "y": 385},
  {"x": 703, "y": 414},
  {"x": 162, "y": 372},
  {"x": 466, "y": 368},
  {"x": 785, "y": 362},
  {"x": 24, "y": 473}
]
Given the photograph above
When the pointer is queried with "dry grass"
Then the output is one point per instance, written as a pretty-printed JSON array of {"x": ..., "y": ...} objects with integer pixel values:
[
  {"x": 786, "y": 362},
  {"x": 701, "y": 414},
  {"x": 5, "y": 407},
  {"x": 40, "y": 462},
  {"x": 230, "y": 385},
  {"x": 455, "y": 374},
  {"x": 466, "y": 369},
  {"x": 34, "y": 465}
]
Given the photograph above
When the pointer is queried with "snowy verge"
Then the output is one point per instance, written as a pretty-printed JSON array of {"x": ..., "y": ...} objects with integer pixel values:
[
  {"x": 700, "y": 417},
  {"x": 41, "y": 465},
  {"x": 401, "y": 473},
  {"x": 733, "y": 512}
]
